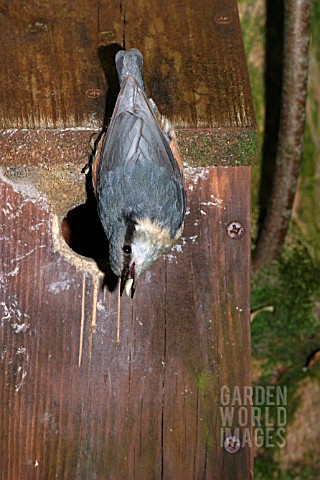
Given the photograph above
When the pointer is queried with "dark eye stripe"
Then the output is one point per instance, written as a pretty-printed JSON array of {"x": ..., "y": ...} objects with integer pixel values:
[{"x": 130, "y": 229}]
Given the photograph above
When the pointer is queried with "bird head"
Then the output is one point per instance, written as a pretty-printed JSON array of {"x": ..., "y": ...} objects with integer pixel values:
[{"x": 136, "y": 249}]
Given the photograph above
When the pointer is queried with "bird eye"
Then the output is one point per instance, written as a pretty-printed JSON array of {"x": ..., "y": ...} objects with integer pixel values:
[{"x": 126, "y": 249}]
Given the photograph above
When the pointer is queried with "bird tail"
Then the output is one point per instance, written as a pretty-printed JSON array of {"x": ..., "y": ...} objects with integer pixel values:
[{"x": 129, "y": 63}]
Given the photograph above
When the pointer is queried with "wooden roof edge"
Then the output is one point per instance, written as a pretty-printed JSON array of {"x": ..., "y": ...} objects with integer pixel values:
[{"x": 199, "y": 147}]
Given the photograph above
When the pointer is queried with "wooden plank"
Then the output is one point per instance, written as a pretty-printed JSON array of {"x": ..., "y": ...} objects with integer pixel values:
[
  {"x": 57, "y": 64},
  {"x": 194, "y": 61},
  {"x": 150, "y": 407},
  {"x": 195, "y": 65},
  {"x": 51, "y": 69}
]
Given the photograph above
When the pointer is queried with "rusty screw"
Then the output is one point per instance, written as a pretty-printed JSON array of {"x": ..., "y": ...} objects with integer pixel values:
[
  {"x": 235, "y": 230},
  {"x": 222, "y": 19},
  {"x": 93, "y": 92},
  {"x": 232, "y": 444}
]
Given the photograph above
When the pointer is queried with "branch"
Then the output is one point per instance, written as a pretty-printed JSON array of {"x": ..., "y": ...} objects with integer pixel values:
[{"x": 290, "y": 141}]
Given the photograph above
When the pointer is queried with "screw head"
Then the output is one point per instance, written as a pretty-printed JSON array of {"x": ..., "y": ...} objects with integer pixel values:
[
  {"x": 93, "y": 92},
  {"x": 222, "y": 19},
  {"x": 232, "y": 444},
  {"x": 235, "y": 230}
]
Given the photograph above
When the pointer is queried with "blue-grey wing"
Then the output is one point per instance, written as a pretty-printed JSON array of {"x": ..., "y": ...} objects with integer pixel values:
[{"x": 137, "y": 173}]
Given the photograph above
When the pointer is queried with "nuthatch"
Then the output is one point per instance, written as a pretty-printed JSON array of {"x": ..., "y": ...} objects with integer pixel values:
[{"x": 137, "y": 177}]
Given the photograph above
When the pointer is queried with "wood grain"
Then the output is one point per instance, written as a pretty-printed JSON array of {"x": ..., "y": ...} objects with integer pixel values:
[
  {"x": 58, "y": 73},
  {"x": 74, "y": 405},
  {"x": 148, "y": 409},
  {"x": 50, "y": 60},
  {"x": 194, "y": 66}
]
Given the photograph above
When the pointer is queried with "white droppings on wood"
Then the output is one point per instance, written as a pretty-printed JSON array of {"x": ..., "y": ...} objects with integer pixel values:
[
  {"x": 217, "y": 202},
  {"x": 171, "y": 258},
  {"x": 19, "y": 384},
  {"x": 178, "y": 247},
  {"x": 13, "y": 272},
  {"x": 101, "y": 307},
  {"x": 194, "y": 174},
  {"x": 148, "y": 276},
  {"x": 12, "y": 313},
  {"x": 38, "y": 226},
  {"x": 193, "y": 238},
  {"x": 57, "y": 287},
  {"x": 22, "y": 369},
  {"x": 25, "y": 255},
  {"x": 27, "y": 191},
  {"x": 21, "y": 351},
  {"x": 20, "y": 328}
]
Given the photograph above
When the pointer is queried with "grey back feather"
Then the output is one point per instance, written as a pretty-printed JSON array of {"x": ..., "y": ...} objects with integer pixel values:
[
  {"x": 138, "y": 177},
  {"x": 129, "y": 63}
]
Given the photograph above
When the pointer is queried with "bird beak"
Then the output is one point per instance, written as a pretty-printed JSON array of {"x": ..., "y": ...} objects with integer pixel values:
[{"x": 128, "y": 281}]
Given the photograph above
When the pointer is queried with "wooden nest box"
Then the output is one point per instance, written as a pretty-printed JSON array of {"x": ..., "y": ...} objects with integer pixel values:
[{"x": 73, "y": 404}]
